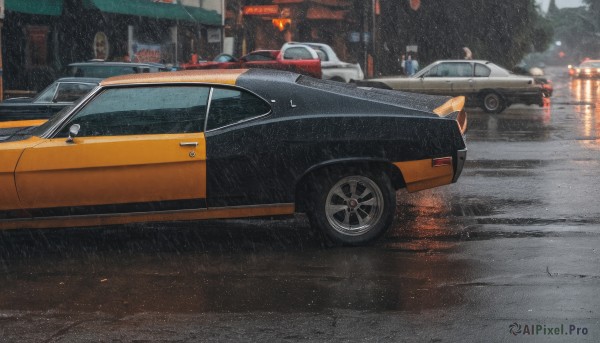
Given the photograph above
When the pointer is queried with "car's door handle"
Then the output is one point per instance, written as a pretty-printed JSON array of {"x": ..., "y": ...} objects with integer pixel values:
[{"x": 188, "y": 144}]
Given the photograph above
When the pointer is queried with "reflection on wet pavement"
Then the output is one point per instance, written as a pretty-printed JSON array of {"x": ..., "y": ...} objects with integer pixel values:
[
  {"x": 510, "y": 125},
  {"x": 216, "y": 269},
  {"x": 587, "y": 93}
]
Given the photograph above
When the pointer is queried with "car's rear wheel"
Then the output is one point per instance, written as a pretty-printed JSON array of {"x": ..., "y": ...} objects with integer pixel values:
[
  {"x": 492, "y": 102},
  {"x": 353, "y": 207}
]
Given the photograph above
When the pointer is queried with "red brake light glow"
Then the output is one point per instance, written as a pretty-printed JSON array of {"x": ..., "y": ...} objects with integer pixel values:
[{"x": 442, "y": 161}]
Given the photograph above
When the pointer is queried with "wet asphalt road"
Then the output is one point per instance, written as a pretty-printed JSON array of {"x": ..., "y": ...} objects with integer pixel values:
[{"x": 515, "y": 242}]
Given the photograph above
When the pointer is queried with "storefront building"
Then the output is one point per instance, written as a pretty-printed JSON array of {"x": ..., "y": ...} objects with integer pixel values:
[
  {"x": 269, "y": 24},
  {"x": 40, "y": 38}
]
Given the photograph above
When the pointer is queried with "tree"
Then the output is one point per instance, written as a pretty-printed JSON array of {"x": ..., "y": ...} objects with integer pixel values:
[
  {"x": 552, "y": 8},
  {"x": 498, "y": 30},
  {"x": 578, "y": 29}
]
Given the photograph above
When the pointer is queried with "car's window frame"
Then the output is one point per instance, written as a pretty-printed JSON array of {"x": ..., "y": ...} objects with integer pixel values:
[
  {"x": 321, "y": 53},
  {"x": 70, "y": 82},
  {"x": 454, "y": 65},
  {"x": 239, "y": 121},
  {"x": 69, "y": 121},
  {"x": 483, "y": 66},
  {"x": 58, "y": 124},
  {"x": 296, "y": 48},
  {"x": 54, "y": 85}
]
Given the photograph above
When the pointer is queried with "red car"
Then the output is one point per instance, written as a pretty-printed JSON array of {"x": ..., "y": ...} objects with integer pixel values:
[{"x": 294, "y": 59}]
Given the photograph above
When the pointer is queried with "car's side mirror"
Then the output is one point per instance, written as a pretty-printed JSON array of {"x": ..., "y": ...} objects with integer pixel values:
[{"x": 73, "y": 132}]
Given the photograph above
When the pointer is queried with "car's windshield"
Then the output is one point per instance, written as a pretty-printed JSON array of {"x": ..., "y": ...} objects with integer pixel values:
[
  {"x": 47, "y": 94},
  {"x": 56, "y": 118}
]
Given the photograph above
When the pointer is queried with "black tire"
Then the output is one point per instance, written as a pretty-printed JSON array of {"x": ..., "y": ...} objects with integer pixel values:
[
  {"x": 492, "y": 102},
  {"x": 370, "y": 206}
]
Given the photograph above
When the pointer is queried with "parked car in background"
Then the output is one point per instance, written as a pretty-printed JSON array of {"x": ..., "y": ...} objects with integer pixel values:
[
  {"x": 61, "y": 93},
  {"x": 537, "y": 73},
  {"x": 483, "y": 83},
  {"x": 332, "y": 68},
  {"x": 589, "y": 68},
  {"x": 297, "y": 59},
  {"x": 206, "y": 144},
  {"x": 102, "y": 69}
]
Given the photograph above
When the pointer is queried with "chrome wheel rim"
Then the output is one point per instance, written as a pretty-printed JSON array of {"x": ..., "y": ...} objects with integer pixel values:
[
  {"x": 492, "y": 102},
  {"x": 354, "y": 205}
]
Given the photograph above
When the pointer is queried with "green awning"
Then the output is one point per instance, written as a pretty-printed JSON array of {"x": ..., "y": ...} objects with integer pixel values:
[
  {"x": 46, "y": 7},
  {"x": 147, "y": 8}
]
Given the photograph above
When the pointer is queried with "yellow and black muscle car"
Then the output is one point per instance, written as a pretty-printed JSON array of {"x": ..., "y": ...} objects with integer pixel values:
[{"x": 194, "y": 145}]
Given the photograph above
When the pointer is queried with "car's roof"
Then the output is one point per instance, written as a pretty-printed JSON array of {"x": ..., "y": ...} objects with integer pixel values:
[
  {"x": 308, "y": 43},
  {"x": 80, "y": 79},
  {"x": 217, "y": 76},
  {"x": 478, "y": 61}
]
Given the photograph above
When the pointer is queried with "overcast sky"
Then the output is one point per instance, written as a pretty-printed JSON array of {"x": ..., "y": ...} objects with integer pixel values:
[{"x": 560, "y": 3}]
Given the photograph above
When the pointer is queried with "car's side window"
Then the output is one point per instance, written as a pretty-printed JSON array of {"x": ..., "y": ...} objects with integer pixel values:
[
  {"x": 142, "y": 111},
  {"x": 47, "y": 94},
  {"x": 297, "y": 53},
  {"x": 464, "y": 69},
  {"x": 445, "y": 70},
  {"x": 455, "y": 69},
  {"x": 481, "y": 70},
  {"x": 69, "y": 92},
  {"x": 322, "y": 55},
  {"x": 433, "y": 72},
  {"x": 229, "y": 106}
]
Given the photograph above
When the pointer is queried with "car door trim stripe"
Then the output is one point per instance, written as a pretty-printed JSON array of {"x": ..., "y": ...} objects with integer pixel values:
[
  {"x": 113, "y": 208},
  {"x": 264, "y": 210}
]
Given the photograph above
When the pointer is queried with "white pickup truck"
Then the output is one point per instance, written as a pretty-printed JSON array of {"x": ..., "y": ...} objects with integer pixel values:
[{"x": 331, "y": 66}]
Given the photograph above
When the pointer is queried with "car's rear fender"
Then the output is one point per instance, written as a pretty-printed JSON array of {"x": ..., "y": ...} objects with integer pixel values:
[{"x": 312, "y": 175}]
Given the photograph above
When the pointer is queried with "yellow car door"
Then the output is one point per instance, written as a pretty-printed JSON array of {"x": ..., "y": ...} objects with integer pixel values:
[
  {"x": 10, "y": 152},
  {"x": 138, "y": 149}
]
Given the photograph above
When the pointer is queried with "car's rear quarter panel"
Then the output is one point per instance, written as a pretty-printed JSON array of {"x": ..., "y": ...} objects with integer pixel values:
[{"x": 260, "y": 161}]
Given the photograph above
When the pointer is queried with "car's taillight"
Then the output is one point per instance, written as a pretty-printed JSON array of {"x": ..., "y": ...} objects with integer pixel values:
[{"x": 442, "y": 161}]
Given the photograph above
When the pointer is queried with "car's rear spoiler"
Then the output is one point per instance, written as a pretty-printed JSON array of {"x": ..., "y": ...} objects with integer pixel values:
[{"x": 454, "y": 109}]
